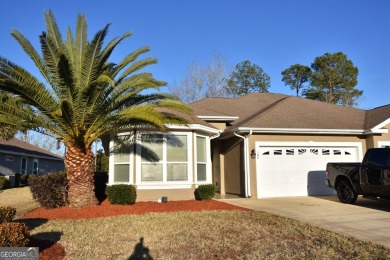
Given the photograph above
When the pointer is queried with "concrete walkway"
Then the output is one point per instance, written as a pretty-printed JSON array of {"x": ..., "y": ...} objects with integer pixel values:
[{"x": 367, "y": 220}]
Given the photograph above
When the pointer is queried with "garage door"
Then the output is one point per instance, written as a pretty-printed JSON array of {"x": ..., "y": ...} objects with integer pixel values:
[{"x": 299, "y": 170}]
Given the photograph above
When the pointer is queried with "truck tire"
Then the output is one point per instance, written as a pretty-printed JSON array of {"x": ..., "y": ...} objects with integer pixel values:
[{"x": 345, "y": 192}]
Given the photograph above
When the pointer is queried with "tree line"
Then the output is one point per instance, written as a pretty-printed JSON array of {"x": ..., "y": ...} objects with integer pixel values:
[{"x": 330, "y": 78}]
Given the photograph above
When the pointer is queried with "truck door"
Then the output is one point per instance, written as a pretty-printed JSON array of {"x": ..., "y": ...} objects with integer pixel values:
[{"x": 375, "y": 172}]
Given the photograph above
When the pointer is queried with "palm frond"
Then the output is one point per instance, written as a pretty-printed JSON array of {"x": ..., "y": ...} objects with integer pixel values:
[
  {"x": 136, "y": 66},
  {"x": 33, "y": 54}
]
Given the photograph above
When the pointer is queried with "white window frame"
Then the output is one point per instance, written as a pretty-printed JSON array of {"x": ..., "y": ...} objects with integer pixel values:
[
  {"x": 165, "y": 184},
  {"x": 208, "y": 160},
  {"x": 10, "y": 158},
  {"x": 112, "y": 163},
  {"x": 23, "y": 171},
  {"x": 35, "y": 171}
]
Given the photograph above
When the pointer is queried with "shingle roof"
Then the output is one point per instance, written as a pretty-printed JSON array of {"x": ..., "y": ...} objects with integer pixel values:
[
  {"x": 16, "y": 146},
  {"x": 266, "y": 110}
]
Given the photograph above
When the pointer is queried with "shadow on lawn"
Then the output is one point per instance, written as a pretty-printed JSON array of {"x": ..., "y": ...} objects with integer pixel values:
[
  {"x": 42, "y": 240},
  {"x": 140, "y": 251}
]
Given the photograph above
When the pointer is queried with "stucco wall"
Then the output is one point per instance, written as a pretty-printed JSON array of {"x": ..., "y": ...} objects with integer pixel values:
[
  {"x": 233, "y": 169},
  {"x": 172, "y": 194},
  {"x": 373, "y": 140}
]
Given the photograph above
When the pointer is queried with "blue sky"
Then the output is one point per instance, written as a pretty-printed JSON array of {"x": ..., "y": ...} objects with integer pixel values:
[{"x": 273, "y": 34}]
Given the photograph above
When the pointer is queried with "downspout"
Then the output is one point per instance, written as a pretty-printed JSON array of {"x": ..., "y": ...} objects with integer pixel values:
[{"x": 246, "y": 164}]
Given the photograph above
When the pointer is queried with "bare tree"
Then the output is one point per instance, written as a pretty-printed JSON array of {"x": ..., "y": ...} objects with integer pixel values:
[
  {"x": 203, "y": 81},
  {"x": 45, "y": 142}
]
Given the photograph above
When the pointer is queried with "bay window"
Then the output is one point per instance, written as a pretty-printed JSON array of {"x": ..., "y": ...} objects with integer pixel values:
[
  {"x": 122, "y": 159},
  {"x": 164, "y": 158}
]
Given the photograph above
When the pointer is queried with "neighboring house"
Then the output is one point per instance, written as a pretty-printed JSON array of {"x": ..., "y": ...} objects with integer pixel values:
[
  {"x": 260, "y": 145},
  {"x": 17, "y": 156}
]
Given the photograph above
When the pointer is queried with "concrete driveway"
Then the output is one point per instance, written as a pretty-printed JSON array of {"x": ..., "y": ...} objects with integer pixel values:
[{"x": 367, "y": 220}]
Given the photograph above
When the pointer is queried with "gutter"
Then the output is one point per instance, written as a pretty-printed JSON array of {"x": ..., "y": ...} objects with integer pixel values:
[{"x": 246, "y": 163}]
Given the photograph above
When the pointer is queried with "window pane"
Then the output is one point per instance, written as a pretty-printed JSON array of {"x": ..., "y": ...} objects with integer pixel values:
[
  {"x": 151, "y": 172},
  {"x": 152, "y": 148},
  {"x": 120, "y": 158},
  {"x": 122, "y": 148},
  {"x": 177, "y": 172},
  {"x": 121, "y": 173},
  {"x": 177, "y": 148},
  {"x": 201, "y": 168},
  {"x": 201, "y": 149}
]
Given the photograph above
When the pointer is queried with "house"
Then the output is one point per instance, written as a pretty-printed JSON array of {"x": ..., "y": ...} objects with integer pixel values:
[
  {"x": 260, "y": 145},
  {"x": 17, "y": 156}
]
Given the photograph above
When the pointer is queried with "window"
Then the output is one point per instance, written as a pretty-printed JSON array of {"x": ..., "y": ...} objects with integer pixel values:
[
  {"x": 23, "y": 165},
  {"x": 35, "y": 166},
  {"x": 122, "y": 158},
  {"x": 164, "y": 157},
  {"x": 10, "y": 158},
  {"x": 201, "y": 159}
]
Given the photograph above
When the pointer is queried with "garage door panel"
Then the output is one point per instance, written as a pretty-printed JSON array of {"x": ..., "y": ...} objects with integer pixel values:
[{"x": 298, "y": 171}]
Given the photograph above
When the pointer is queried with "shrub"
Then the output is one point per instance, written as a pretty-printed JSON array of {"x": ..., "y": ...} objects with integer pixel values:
[
  {"x": 50, "y": 190},
  {"x": 14, "y": 234},
  {"x": 121, "y": 194},
  {"x": 205, "y": 192},
  {"x": 7, "y": 213},
  {"x": 4, "y": 183},
  {"x": 24, "y": 178}
]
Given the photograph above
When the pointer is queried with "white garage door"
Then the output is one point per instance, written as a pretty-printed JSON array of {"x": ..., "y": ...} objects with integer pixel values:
[{"x": 299, "y": 170}]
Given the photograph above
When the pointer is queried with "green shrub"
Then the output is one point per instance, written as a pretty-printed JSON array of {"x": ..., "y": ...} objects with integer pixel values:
[
  {"x": 7, "y": 214},
  {"x": 205, "y": 192},
  {"x": 50, "y": 190},
  {"x": 24, "y": 178},
  {"x": 14, "y": 234},
  {"x": 4, "y": 183},
  {"x": 121, "y": 194}
]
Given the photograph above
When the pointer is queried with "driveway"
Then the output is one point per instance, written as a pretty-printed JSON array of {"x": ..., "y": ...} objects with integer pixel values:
[{"x": 367, "y": 220}]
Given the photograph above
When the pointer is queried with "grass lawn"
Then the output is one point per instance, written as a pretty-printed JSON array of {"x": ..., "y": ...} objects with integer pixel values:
[{"x": 201, "y": 235}]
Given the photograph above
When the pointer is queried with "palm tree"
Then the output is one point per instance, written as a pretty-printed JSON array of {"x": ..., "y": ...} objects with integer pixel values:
[{"x": 84, "y": 97}]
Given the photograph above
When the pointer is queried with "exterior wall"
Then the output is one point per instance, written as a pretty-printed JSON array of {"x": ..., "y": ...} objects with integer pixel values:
[
  {"x": 215, "y": 158},
  {"x": 384, "y": 138},
  {"x": 293, "y": 138},
  {"x": 44, "y": 165},
  {"x": 218, "y": 125},
  {"x": 171, "y": 194},
  {"x": 233, "y": 167}
]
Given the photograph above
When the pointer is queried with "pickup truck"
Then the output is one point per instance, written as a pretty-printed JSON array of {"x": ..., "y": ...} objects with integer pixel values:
[{"x": 370, "y": 178}]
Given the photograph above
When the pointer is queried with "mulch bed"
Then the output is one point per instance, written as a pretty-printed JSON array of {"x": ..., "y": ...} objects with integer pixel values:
[{"x": 50, "y": 250}]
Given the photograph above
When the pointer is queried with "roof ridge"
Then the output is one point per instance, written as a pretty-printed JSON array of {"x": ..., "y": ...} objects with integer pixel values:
[{"x": 261, "y": 111}]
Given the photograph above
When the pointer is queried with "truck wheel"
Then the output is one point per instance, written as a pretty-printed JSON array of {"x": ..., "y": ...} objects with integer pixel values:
[{"x": 345, "y": 193}]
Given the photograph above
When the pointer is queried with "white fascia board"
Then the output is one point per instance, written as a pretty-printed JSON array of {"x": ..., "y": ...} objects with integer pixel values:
[
  {"x": 194, "y": 127},
  {"x": 379, "y": 128},
  {"x": 298, "y": 131},
  {"x": 219, "y": 118}
]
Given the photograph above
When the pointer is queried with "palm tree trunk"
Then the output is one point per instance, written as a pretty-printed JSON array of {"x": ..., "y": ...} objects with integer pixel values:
[{"x": 79, "y": 168}]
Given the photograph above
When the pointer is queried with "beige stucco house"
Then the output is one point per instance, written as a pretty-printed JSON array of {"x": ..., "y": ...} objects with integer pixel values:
[{"x": 260, "y": 145}]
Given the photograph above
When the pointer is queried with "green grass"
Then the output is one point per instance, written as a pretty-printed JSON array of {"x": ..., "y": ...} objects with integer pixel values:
[{"x": 202, "y": 235}]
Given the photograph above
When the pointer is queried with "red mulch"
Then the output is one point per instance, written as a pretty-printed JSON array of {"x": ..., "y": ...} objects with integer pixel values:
[{"x": 49, "y": 250}]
